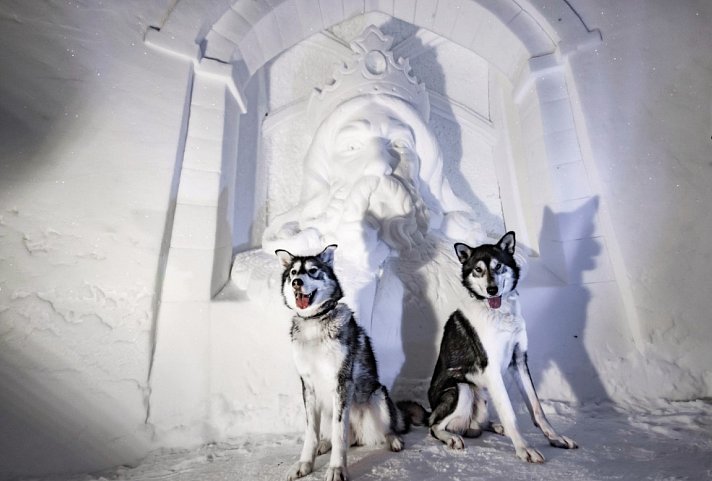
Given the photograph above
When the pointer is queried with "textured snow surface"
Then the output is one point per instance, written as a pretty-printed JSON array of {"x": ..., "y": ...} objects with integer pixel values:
[
  {"x": 671, "y": 442},
  {"x": 90, "y": 129}
]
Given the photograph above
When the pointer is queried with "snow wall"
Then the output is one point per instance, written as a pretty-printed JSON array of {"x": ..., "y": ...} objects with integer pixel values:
[{"x": 94, "y": 135}]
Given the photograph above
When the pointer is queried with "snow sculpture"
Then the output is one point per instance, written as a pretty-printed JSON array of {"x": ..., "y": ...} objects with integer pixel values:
[
  {"x": 373, "y": 174},
  {"x": 373, "y": 183}
]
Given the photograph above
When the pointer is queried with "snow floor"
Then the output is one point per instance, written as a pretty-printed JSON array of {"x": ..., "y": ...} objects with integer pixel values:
[{"x": 670, "y": 442}]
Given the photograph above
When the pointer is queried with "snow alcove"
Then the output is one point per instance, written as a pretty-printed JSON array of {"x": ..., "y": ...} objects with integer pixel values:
[
  {"x": 392, "y": 129},
  {"x": 153, "y": 155}
]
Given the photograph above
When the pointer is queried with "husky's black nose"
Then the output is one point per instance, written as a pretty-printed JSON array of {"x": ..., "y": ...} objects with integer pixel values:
[
  {"x": 297, "y": 283},
  {"x": 492, "y": 290}
]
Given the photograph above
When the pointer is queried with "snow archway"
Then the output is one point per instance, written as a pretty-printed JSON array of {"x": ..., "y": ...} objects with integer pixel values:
[{"x": 217, "y": 369}]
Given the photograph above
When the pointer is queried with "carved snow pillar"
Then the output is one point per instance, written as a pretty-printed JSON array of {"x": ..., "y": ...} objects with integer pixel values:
[{"x": 198, "y": 259}]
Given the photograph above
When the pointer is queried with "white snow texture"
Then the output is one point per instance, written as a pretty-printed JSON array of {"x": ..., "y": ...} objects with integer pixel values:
[{"x": 154, "y": 154}]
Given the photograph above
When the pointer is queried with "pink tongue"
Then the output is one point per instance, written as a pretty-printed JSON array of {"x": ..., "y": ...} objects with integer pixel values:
[
  {"x": 495, "y": 302},
  {"x": 302, "y": 300}
]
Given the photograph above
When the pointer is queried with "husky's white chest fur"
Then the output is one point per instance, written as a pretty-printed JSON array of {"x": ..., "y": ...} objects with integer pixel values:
[
  {"x": 500, "y": 330},
  {"x": 318, "y": 354}
]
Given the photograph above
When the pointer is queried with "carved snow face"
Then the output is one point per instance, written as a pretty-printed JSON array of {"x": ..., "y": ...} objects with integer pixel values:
[
  {"x": 373, "y": 171},
  {"x": 372, "y": 143}
]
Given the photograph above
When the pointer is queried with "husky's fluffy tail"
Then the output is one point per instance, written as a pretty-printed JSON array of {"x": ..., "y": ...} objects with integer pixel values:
[{"x": 413, "y": 413}]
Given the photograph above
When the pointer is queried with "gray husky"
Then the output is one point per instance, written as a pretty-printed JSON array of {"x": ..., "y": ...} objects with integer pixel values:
[
  {"x": 337, "y": 368},
  {"x": 482, "y": 340}
]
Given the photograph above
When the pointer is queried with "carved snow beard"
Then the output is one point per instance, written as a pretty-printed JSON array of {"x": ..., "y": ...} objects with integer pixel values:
[{"x": 399, "y": 210}]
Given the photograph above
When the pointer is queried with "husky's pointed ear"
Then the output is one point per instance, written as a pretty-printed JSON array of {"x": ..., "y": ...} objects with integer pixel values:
[
  {"x": 507, "y": 242},
  {"x": 327, "y": 255},
  {"x": 463, "y": 252},
  {"x": 285, "y": 257}
]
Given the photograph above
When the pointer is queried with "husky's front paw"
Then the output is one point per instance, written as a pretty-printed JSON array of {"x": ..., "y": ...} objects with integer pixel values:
[
  {"x": 455, "y": 442},
  {"x": 563, "y": 442},
  {"x": 395, "y": 443},
  {"x": 497, "y": 428},
  {"x": 299, "y": 470},
  {"x": 337, "y": 473},
  {"x": 530, "y": 455}
]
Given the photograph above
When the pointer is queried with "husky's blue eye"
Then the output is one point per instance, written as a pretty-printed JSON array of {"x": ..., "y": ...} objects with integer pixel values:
[
  {"x": 478, "y": 270},
  {"x": 312, "y": 271},
  {"x": 498, "y": 266}
]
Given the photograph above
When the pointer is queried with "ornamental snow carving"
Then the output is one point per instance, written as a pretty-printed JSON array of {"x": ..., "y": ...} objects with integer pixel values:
[{"x": 373, "y": 175}]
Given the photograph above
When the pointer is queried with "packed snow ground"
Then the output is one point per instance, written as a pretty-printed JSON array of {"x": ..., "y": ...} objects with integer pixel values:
[{"x": 670, "y": 442}]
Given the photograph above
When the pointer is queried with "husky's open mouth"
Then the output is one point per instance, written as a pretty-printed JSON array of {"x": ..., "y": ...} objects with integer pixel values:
[
  {"x": 304, "y": 300},
  {"x": 495, "y": 302}
]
